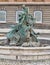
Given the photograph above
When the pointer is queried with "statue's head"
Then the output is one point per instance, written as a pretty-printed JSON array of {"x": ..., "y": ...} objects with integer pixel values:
[
  {"x": 23, "y": 6},
  {"x": 25, "y": 9}
]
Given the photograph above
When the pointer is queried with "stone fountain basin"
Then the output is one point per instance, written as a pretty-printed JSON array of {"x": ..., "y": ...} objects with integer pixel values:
[{"x": 24, "y": 53}]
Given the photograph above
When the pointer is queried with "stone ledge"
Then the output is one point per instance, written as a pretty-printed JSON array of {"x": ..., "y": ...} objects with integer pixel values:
[
  {"x": 24, "y": 53},
  {"x": 26, "y": 48},
  {"x": 26, "y": 3}
]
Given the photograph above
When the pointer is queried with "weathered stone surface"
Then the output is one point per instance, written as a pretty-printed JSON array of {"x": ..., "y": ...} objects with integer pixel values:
[
  {"x": 11, "y": 57},
  {"x": 27, "y": 57},
  {"x": 31, "y": 44},
  {"x": 24, "y": 55},
  {"x": 10, "y": 62}
]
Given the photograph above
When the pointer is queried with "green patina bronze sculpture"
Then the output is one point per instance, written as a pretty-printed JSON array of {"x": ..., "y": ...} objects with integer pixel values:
[{"x": 22, "y": 34}]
